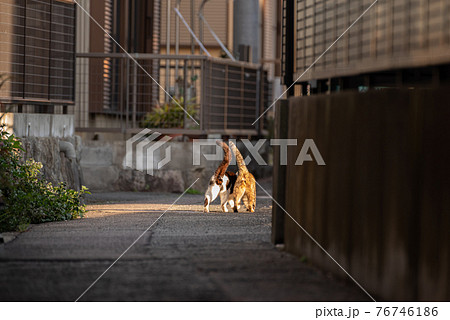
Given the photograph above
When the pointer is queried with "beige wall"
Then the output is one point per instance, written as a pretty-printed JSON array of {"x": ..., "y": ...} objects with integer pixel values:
[
  {"x": 269, "y": 47},
  {"x": 219, "y": 14},
  {"x": 6, "y": 39},
  {"x": 215, "y": 12}
]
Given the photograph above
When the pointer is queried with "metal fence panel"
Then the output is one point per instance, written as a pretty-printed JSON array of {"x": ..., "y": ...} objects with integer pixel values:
[
  {"x": 231, "y": 96},
  {"x": 37, "y": 51},
  {"x": 393, "y": 34},
  {"x": 115, "y": 93}
]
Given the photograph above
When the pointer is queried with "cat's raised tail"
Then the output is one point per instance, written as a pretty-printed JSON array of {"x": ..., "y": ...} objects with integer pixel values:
[
  {"x": 218, "y": 175},
  {"x": 240, "y": 161}
]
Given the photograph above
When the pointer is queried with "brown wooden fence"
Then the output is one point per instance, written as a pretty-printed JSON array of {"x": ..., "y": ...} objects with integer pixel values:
[{"x": 381, "y": 205}]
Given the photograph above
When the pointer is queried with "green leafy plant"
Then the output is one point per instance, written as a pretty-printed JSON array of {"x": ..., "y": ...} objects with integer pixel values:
[
  {"x": 170, "y": 115},
  {"x": 193, "y": 191},
  {"x": 27, "y": 197}
]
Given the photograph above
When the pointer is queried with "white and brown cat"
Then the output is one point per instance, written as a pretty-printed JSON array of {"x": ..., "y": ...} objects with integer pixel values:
[{"x": 221, "y": 183}]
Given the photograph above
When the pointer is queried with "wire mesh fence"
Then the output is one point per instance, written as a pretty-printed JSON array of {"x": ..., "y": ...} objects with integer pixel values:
[
  {"x": 392, "y": 34},
  {"x": 178, "y": 93}
]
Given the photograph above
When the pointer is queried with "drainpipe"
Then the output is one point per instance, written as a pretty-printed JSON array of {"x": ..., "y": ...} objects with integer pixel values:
[
  {"x": 177, "y": 41},
  {"x": 168, "y": 49},
  {"x": 246, "y": 27},
  {"x": 68, "y": 149}
]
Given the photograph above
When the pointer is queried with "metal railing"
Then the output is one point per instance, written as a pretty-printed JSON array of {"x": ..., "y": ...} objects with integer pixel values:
[{"x": 113, "y": 93}]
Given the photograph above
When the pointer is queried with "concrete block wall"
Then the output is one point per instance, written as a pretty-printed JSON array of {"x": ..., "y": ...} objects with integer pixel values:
[
  {"x": 42, "y": 136},
  {"x": 103, "y": 166},
  {"x": 58, "y": 166},
  {"x": 40, "y": 125}
]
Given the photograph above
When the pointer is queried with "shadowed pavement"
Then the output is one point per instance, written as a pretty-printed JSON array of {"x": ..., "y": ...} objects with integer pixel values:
[{"x": 186, "y": 256}]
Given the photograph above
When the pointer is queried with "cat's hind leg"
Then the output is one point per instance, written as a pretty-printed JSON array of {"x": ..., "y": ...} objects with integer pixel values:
[
  {"x": 250, "y": 200},
  {"x": 245, "y": 200},
  {"x": 224, "y": 199},
  {"x": 239, "y": 192},
  {"x": 210, "y": 195}
]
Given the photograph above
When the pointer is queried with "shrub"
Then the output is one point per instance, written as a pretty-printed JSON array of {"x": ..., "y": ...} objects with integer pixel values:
[
  {"x": 27, "y": 197},
  {"x": 170, "y": 115}
]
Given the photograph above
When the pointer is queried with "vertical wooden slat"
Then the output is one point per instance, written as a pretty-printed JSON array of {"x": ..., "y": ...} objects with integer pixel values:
[
  {"x": 279, "y": 186},
  {"x": 380, "y": 205}
]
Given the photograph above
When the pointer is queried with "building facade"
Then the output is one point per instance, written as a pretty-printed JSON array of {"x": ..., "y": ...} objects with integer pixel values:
[{"x": 37, "y": 55}]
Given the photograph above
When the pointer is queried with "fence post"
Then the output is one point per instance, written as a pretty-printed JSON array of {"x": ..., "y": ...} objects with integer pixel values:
[
  {"x": 185, "y": 93},
  {"x": 134, "y": 93},
  {"x": 258, "y": 99},
  {"x": 279, "y": 172},
  {"x": 225, "y": 107},
  {"x": 127, "y": 94},
  {"x": 203, "y": 93}
]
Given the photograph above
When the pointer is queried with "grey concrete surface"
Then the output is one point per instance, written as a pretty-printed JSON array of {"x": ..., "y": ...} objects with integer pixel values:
[
  {"x": 40, "y": 125},
  {"x": 186, "y": 256},
  {"x": 105, "y": 170}
]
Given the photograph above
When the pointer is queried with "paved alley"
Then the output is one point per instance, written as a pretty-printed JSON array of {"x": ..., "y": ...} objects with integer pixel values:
[{"x": 186, "y": 256}]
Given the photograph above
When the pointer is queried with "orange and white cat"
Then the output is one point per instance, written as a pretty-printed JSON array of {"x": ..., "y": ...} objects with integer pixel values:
[{"x": 245, "y": 186}]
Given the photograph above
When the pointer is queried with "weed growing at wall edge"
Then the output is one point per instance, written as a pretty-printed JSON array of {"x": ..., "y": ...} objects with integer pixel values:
[{"x": 26, "y": 197}]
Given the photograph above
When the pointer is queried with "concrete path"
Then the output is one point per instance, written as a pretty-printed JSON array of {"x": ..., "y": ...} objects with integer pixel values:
[{"x": 185, "y": 256}]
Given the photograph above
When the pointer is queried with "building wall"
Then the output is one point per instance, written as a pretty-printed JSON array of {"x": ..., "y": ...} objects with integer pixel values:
[
  {"x": 269, "y": 45},
  {"x": 37, "y": 51},
  {"x": 135, "y": 26},
  {"x": 6, "y": 38},
  {"x": 215, "y": 12}
]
